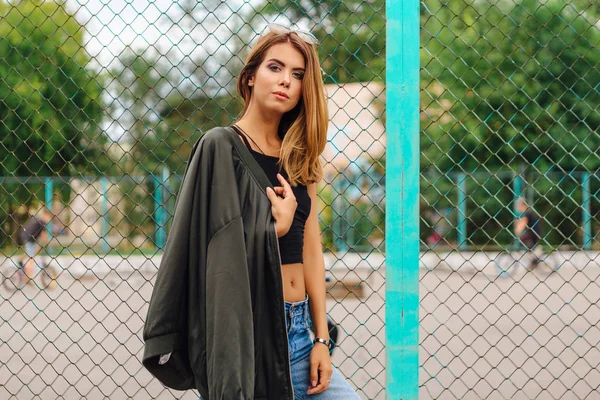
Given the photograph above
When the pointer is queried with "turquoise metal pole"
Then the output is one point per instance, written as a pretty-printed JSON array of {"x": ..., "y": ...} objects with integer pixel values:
[
  {"x": 402, "y": 197},
  {"x": 587, "y": 214},
  {"x": 157, "y": 201},
  {"x": 104, "y": 212},
  {"x": 462, "y": 210},
  {"x": 339, "y": 211},
  {"x": 159, "y": 233},
  {"x": 49, "y": 185},
  {"x": 349, "y": 219},
  {"x": 517, "y": 188},
  {"x": 161, "y": 215}
]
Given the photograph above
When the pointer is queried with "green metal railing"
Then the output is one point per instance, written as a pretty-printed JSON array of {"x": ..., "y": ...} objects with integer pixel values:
[{"x": 102, "y": 103}]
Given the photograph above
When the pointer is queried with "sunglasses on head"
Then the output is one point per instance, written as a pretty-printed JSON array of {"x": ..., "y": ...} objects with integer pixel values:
[{"x": 282, "y": 29}]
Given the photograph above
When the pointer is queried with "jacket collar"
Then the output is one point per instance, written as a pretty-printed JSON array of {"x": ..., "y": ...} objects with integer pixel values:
[{"x": 249, "y": 160}]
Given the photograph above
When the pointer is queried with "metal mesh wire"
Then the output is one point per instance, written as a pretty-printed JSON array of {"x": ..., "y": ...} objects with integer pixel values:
[
  {"x": 101, "y": 103},
  {"x": 509, "y": 95}
]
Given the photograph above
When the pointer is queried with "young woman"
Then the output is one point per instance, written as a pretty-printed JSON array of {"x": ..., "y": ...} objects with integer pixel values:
[
  {"x": 284, "y": 125},
  {"x": 242, "y": 277}
]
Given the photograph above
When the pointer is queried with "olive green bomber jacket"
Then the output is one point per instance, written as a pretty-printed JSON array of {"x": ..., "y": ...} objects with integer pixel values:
[{"x": 216, "y": 318}]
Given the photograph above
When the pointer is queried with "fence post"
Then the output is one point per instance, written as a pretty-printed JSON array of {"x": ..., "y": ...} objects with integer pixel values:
[
  {"x": 49, "y": 186},
  {"x": 402, "y": 194},
  {"x": 160, "y": 219},
  {"x": 517, "y": 190},
  {"x": 339, "y": 207},
  {"x": 104, "y": 213},
  {"x": 587, "y": 215},
  {"x": 461, "y": 224}
]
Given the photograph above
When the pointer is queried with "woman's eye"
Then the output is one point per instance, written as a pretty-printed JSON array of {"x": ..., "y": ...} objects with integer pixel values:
[{"x": 298, "y": 75}]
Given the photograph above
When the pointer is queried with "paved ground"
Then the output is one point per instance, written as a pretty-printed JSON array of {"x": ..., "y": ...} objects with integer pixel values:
[
  {"x": 482, "y": 337},
  {"x": 531, "y": 336}
]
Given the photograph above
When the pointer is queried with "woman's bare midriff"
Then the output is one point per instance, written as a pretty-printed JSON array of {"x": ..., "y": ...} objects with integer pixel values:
[{"x": 293, "y": 282}]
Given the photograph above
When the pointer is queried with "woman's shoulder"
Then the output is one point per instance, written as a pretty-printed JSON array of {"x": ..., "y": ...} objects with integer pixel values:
[
  {"x": 216, "y": 141},
  {"x": 218, "y": 135}
]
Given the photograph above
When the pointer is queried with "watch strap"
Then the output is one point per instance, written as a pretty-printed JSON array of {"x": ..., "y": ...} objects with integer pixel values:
[{"x": 321, "y": 340}]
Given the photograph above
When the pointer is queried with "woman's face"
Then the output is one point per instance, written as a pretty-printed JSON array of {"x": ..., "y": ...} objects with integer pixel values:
[{"x": 281, "y": 71}]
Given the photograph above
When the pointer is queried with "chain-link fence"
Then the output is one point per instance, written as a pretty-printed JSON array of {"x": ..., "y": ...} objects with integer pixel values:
[
  {"x": 101, "y": 103},
  {"x": 509, "y": 112}
]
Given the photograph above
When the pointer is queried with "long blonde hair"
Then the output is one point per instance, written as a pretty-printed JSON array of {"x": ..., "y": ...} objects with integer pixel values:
[{"x": 303, "y": 130}]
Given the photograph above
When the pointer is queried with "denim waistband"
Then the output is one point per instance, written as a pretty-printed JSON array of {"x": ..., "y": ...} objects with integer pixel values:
[{"x": 296, "y": 308}]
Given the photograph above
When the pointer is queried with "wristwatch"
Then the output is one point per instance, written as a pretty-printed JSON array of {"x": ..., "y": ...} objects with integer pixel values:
[{"x": 325, "y": 342}]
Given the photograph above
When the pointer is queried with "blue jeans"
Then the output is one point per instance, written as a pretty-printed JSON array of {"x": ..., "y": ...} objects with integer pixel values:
[{"x": 299, "y": 323}]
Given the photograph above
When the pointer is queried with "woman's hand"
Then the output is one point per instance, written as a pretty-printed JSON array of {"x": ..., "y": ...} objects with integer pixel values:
[
  {"x": 320, "y": 369},
  {"x": 283, "y": 209}
]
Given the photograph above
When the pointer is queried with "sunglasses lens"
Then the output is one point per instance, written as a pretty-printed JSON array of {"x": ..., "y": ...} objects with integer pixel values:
[
  {"x": 278, "y": 28},
  {"x": 307, "y": 37},
  {"x": 281, "y": 29}
]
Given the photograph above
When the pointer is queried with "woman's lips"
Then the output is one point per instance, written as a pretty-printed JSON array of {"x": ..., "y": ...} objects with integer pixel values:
[{"x": 279, "y": 96}]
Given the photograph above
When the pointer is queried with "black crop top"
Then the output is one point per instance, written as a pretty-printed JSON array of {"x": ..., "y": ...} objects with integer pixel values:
[{"x": 292, "y": 243}]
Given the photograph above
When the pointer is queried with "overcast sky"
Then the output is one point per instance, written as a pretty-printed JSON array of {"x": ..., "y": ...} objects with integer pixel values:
[
  {"x": 113, "y": 24},
  {"x": 158, "y": 27}
]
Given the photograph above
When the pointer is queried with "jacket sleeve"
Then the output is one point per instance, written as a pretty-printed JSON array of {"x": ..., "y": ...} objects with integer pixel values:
[
  {"x": 227, "y": 306},
  {"x": 229, "y": 319},
  {"x": 201, "y": 307},
  {"x": 165, "y": 325}
]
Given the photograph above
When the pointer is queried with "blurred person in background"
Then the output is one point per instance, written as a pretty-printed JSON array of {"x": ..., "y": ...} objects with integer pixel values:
[
  {"x": 33, "y": 236},
  {"x": 528, "y": 227}
]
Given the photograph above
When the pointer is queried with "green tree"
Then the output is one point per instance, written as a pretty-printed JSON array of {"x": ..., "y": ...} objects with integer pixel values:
[
  {"x": 50, "y": 104},
  {"x": 49, "y": 101},
  {"x": 138, "y": 85},
  {"x": 513, "y": 88},
  {"x": 351, "y": 34}
]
